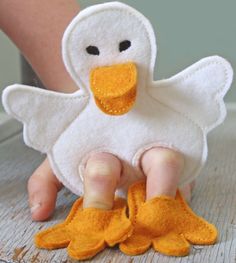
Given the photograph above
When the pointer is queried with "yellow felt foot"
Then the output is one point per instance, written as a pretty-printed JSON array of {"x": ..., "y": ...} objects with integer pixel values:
[
  {"x": 166, "y": 223},
  {"x": 171, "y": 244},
  {"x": 88, "y": 231},
  {"x": 136, "y": 244},
  {"x": 82, "y": 247},
  {"x": 58, "y": 235}
]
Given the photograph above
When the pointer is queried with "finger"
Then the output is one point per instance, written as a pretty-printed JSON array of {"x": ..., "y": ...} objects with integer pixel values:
[
  {"x": 102, "y": 174},
  {"x": 42, "y": 190},
  {"x": 163, "y": 168}
]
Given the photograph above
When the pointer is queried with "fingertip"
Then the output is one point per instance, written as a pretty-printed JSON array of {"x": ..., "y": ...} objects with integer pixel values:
[
  {"x": 42, "y": 213},
  {"x": 42, "y": 204},
  {"x": 42, "y": 191},
  {"x": 42, "y": 198}
]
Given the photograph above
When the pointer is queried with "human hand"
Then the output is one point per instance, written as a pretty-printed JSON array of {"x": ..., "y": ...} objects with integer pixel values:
[
  {"x": 102, "y": 173},
  {"x": 30, "y": 26}
]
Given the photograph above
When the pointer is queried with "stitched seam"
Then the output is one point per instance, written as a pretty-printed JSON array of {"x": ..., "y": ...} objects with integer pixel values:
[
  {"x": 135, "y": 206},
  {"x": 128, "y": 105},
  {"x": 102, "y": 11},
  {"x": 188, "y": 211},
  {"x": 124, "y": 235},
  {"x": 56, "y": 95},
  {"x": 185, "y": 210},
  {"x": 28, "y": 120},
  {"x": 67, "y": 224},
  {"x": 64, "y": 223},
  {"x": 121, "y": 90},
  {"x": 219, "y": 103},
  {"x": 63, "y": 178}
]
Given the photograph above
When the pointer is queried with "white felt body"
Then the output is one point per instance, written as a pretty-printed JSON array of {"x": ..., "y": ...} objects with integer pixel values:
[
  {"x": 176, "y": 113},
  {"x": 127, "y": 139}
]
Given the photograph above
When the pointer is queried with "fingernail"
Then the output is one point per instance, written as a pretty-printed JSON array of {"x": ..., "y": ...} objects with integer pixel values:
[{"x": 35, "y": 207}]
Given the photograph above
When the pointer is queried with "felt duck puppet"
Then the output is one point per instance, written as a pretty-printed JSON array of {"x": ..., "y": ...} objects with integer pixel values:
[{"x": 110, "y": 51}]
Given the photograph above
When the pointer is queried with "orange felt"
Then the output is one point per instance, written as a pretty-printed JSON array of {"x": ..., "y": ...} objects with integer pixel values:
[
  {"x": 86, "y": 232},
  {"x": 168, "y": 224},
  {"x": 114, "y": 87}
]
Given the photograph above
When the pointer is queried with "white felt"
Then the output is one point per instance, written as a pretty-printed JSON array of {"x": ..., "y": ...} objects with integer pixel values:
[
  {"x": 175, "y": 113},
  {"x": 45, "y": 114},
  {"x": 105, "y": 26},
  {"x": 198, "y": 91}
]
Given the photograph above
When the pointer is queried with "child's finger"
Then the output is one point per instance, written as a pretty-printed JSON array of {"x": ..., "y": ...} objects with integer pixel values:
[
  {"x": 42, "y": 190},
  {"x": 102, "y": 175},
  {"x": 163, "y": 168}
]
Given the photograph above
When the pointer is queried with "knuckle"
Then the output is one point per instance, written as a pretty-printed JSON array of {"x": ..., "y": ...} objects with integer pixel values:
[
  {"x": 159, "y": 157},
  {"x": 102, "y": 165},
  {"x": 98, "y": 168}
]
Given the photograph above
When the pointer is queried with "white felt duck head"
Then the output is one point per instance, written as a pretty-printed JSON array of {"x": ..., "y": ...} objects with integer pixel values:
[{"x": 110, "y": 50}]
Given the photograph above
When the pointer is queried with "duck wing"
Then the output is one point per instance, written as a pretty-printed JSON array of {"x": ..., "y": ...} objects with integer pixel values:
[
  {"x": 45, "y": 114},
  {"x": 197, "y": 92}
]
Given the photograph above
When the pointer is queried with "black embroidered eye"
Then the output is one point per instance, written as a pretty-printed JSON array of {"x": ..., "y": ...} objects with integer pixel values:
[
  {"x": 92, "y": 50},
  {"x": 124, "y": 45}
]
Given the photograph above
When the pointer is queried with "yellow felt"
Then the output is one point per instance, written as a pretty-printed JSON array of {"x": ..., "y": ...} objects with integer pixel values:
[
  {"x": 117, "y": 106},
  {"x": 86, "y": 232},
  {"x": 166, "y": 223},
  {"x": 113, "y": 81},
  {"x": 56, "y": 236},
  {"x": 171, "y": 244},
  {"x": 114, "y": 87}
]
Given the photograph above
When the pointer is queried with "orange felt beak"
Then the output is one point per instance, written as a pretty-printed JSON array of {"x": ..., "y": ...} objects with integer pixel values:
[{"x": 114, "y": 87}]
